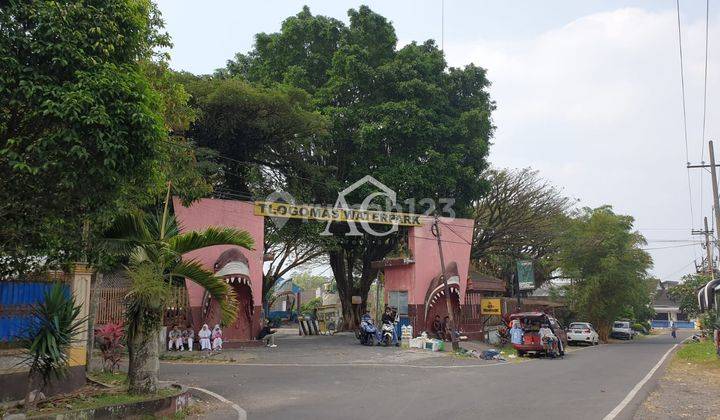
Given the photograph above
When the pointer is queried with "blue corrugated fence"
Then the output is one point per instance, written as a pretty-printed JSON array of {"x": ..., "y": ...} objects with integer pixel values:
[{"x": 16, "y": 301}]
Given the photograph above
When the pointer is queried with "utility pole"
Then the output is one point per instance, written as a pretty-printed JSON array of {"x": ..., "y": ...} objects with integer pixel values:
[
  {"x": 713, "y": 173},
  {"x": 713, "y": 176},
  {"x": 446, "y": 288},
  {"x": 709, "y": 269}
]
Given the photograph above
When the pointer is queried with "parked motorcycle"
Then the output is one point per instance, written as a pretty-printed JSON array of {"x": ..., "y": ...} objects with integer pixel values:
[
  {"x": 368, "y": 332},
  {"x": 387, "y": 332}
]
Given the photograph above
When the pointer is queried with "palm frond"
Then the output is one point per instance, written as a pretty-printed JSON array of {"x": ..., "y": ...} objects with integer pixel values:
[
  {"x": 191, "y": 241},
  {"x": 127, "y": 232},
  {"x": 219, "y": 290}
]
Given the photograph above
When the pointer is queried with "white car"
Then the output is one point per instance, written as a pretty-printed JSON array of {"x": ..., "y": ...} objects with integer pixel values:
[
  {"x": 622, "y": 330},
  {"x": 582, "y": 332}
]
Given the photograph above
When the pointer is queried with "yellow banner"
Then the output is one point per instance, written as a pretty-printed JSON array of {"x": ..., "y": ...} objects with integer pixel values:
[
  {"x": 331, "y": 214},
  {"x": 490, "y": 307}
]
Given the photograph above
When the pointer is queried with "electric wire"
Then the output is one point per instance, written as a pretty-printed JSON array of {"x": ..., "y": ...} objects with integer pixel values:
[{"x": 684, "y": 119}]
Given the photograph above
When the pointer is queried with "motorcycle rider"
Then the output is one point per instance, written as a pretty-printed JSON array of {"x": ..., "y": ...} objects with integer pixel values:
[{"x": 388, "y": 317}]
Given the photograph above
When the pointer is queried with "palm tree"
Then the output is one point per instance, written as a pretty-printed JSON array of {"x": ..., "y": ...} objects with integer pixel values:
[{"x": 154, "y": 247}]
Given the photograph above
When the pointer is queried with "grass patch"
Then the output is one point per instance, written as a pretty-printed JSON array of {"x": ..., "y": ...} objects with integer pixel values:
[
  {"x": 109, "y": 378},
  {"x": 507, "y": 351},
  {"x": 196, "y": 358},
  {"x": 95, "y": 399},
  {"x": 698, "y": 353}
]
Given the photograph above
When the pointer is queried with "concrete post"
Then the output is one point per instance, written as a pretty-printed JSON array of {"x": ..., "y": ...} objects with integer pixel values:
[{"x": 80, "y": 283}]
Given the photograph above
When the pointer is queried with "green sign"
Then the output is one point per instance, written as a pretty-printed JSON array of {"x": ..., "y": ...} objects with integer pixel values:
[{"x": 526, "y": 275}]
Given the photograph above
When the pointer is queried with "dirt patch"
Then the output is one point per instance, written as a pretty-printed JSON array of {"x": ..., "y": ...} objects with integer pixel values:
[{"x": 687, "y": 390}]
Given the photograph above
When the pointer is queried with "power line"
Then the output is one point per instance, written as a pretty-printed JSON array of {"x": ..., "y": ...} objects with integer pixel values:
[
  {"x": 678, "y": 270},
  {"x": 707, "y": 32},
  {"x": 453, "y": 231},
  {"x": 684, "y": 116},
  {"x": 668, "y": 247}
]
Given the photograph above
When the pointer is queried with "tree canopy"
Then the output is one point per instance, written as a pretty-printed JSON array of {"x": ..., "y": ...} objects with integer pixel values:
[
  {"x": 602, "y": 255},
  {"x": 521, "y": 217},
  {"x": 87, "y": 106},
  {"x": 400, "y": 115}
]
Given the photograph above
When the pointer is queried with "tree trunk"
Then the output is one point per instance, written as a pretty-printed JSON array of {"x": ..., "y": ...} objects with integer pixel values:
[
  {"x": 603, "y": 330},
  {"x": 355, "y": 259},
  {"x": 342, "y": 265},
  {"x": 144, "y": 361}
]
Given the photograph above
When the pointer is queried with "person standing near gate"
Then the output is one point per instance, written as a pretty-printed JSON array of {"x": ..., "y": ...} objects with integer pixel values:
[
  {"x": 673, "y": 330},
  {"x": 516, "y": 333}
]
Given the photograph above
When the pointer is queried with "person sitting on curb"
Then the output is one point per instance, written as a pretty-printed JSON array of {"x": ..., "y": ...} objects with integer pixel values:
[
  {"x": 267, "y": 335},
  {"x": 205, "y": 335},
  {"x": 175, "y": 338},
  {"x": 217, "y": 341},
  {"x": 437, "y": 328},
  {"x": 549, "y": 340},
  {"x": 447, "y": 332},
  {"x": 188, "y": 336}
]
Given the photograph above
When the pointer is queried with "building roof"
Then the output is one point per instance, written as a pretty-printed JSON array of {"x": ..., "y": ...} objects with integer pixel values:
[
  {"x": 479, "y": 282},
  {"x": 662, "y": 299}
]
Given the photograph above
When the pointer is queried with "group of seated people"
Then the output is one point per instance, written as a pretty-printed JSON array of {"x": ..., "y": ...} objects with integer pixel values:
[
  {"x": 441, "y": 329},
  {"x": 180, "y": 340}
]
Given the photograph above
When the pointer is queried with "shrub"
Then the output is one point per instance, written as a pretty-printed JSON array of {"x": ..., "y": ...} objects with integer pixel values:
[
  {"x": 639, "y": 327},
  {"x": 647, "y": 325},
  {"x": 55, "y": 323},
  {"x": 709, "y": 321},
  {"x": 109, "y": 338},
  {"x": 310, "y": 305},
  {"x": 504, "y": 336}
]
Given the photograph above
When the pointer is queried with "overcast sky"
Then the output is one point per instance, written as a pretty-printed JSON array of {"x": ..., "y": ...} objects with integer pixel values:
[{"x": 588, "y": 92}]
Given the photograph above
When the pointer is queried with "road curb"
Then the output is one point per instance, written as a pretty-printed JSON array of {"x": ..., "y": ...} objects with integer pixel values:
[{"x": 241, "y": 413}]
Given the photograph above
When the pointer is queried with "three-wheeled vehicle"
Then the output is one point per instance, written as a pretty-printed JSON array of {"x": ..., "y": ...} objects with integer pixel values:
[{"x": 531, "y": 322}]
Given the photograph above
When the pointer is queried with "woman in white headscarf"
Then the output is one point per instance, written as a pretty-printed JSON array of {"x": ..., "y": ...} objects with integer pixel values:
[
  {"x": 217, "y": 338},
  {"x": 205, "y": 335}
]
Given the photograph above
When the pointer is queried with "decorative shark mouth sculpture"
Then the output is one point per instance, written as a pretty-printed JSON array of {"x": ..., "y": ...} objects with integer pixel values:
[
  {"x": 436, "y": 290},
  {"x": 232, "y": 266}
]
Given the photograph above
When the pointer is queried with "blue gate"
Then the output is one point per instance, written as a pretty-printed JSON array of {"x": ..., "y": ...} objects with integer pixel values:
[{"x": 16, "y": 301}]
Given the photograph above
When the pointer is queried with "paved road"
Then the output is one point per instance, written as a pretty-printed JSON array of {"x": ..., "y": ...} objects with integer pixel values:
[{"x": 588, "y": 384}]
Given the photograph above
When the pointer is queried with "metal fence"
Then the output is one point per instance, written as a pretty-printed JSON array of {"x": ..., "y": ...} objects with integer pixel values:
[{"x": 111, "y": 305}]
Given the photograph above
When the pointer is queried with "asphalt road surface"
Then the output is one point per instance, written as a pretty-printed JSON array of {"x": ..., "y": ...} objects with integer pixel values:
[{"x": 589, "y": 383}]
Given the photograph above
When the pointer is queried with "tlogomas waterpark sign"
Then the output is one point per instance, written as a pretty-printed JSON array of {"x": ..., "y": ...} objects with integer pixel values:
[{"x": 334, "y": 214}]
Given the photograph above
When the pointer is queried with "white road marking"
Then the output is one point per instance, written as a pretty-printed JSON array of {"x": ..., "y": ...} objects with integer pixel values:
[
  {"x": 637, "y": 387},
  {"x": 242, "y": 414}
]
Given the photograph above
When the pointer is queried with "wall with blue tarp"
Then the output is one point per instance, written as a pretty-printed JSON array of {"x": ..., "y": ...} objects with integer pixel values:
[
  {"x": 659, "y": 323},
  {"x": 16, "y": 301}
]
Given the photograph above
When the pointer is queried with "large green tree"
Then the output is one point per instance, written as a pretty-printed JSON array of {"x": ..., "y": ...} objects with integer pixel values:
[
  {"x": 521, "y": 217},
  {"x": 400, "y": 115},
  {"x": 78, "y": 119},
  {"x": 270, "y": 139},
  {"x": 603, "y": 256},
  {"x": 266, "y": 134}
]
